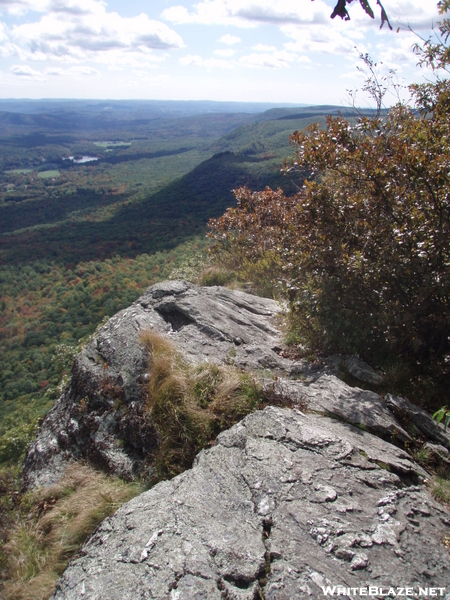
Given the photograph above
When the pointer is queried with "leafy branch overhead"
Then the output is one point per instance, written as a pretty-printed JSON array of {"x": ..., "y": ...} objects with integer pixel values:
[{"x": 340, "y": 10}]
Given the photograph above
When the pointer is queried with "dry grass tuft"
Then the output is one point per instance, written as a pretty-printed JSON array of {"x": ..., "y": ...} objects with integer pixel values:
[
  {"x": 53, "y": 524},
  {"x": 159, "y": 345},
  {"x": 440, "y": 489},
  {"x": 217, "y": 275},
  {"x": 191, "y": 405}
]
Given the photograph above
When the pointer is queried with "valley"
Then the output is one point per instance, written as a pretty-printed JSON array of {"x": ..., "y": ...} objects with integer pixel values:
[{"x": 98, "y": 200}]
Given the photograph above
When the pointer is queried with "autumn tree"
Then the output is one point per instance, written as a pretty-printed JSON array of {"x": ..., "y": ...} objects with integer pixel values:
[{"x": 362, "y": 251}]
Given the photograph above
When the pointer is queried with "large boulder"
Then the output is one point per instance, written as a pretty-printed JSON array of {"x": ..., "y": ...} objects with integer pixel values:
[
  {"x": 102, "y": 415},
  {"x": 282, "y": 506}
]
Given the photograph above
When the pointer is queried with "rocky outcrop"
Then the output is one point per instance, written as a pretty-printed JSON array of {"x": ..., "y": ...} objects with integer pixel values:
[
  {"x": 283, "y": 505},
  {"x": 101, "y": 416},
  {"x": 286, "y": 502},
  {"x": 417, "y": 418}
]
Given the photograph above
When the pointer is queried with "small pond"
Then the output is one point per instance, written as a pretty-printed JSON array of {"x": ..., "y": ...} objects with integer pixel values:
[{"x": 83, "y": 159}]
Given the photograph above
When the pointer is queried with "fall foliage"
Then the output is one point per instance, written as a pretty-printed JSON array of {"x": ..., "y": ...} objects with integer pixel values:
[{"x": 362, "y": 251}]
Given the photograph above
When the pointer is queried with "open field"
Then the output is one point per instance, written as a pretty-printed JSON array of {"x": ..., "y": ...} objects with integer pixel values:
[{"x": 49, "y": 174}]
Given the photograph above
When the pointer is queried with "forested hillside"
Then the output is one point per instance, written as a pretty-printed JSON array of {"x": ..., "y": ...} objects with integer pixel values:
[{"x": 98, "y": 201}]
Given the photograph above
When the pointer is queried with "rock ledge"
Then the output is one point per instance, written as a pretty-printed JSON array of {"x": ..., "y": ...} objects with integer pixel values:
[{"x": 283, "y": 504}]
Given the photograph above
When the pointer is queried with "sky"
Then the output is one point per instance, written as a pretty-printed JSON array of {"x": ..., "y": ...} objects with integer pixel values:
[{"x": 281, "y": 51}]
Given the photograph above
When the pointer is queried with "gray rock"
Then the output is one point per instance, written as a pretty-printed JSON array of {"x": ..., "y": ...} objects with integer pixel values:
[
  {"x": 331, "y": 396},
  {"x": 337, "y": 365},
  {"x": 102, "y": 415},
  {"x": 440, "y": 454},
  {"x": 356, "y": 367},
  {"x": 220, "y": 325},
  {"x": 283, "y": 504},
  {"x": 412, "y": 414}
]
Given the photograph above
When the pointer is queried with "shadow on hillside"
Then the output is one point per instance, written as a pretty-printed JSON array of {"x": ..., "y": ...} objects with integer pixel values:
[{"x": 158, "y": 222}]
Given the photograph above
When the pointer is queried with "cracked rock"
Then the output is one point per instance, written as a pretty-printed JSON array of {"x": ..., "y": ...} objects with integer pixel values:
[
  {"x": 284, "y": 502},
  {"x": 409, "y": 413},
  {"x": 245, "y": 520},
  {"x": 101, "y": 416}
]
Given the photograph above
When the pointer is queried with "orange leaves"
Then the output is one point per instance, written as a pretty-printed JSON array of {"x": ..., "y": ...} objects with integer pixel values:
[{"x": 369, "y": 232}]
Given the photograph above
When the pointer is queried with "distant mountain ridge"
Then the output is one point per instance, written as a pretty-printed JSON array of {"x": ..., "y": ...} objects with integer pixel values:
[{"x": 157, "y": 107}]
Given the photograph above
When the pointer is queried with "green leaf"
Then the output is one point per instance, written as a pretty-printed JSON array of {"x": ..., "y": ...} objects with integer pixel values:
[
  {"x": 447, "y": 420},
  {"x": 366, "y": 7},
  {"x": 439, "y": 414}
]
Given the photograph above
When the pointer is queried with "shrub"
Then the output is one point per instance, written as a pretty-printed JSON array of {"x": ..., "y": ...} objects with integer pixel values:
[
  {"x": 364, "y": 248},
  {"x": 214, "y": 275},
  {"x": 363, "y": 251},
  {"x": 253, "y": 239}
]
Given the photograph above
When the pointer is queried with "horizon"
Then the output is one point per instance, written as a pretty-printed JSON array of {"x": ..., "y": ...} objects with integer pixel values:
[{"x": 281, "y": 51}]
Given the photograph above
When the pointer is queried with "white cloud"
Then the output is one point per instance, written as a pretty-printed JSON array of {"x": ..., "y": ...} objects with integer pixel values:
[
  {"x": 58, "y": 37},
  {"x": 310, "y": 31},
  {"x": 225, "y": 52},
  {"x": 401, "y": 56},
  {"x": 74, "y": 31},
  {"x": 230, "y": 39},
  {"x": 55, "y": 45},
  {"x": 56, "y": 71},
  {"x": 310, "y": 19},
  {"x": 158, "y": 80},
  {"x": 14, "y": 7},
  {"x": 279, "y": 13},
  {"x": 264, "y": 48},
  {"x": 178, "y": 15},
  {"x": 26, "y": 72},
  {"x": 276, "y": 60},
  {"x": 324, "y": 39},
  {"x": 6, "y": 47},
  {"x": 71, "y": 7},
  {"x": 250, "y": 13},
  {"x": 75, "y": 7},
  {"x": 3, "y": 35},
  {"x": 72, "y": 72},
  {"x": 211, "y": 63},
  {"x": 416, "y": 13}
]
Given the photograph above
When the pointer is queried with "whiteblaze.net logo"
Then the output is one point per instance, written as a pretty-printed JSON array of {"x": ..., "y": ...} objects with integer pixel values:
[{"x": 392, "y": 592}]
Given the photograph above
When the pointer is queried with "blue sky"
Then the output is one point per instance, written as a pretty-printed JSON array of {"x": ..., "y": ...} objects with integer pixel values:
[{"x": 236, "y": 50}]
